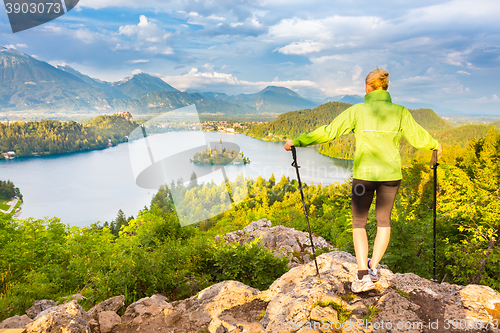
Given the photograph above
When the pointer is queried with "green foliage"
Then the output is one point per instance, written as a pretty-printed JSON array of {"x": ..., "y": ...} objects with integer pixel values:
[
  {"x": 343, "y": 313},
  {"x": 45, "y": 137},
  {"x": 248, "y": 263},
  {"x": 373, "y": 311},
  {"x": 9, "y": 190},
  {"x": 404, "y": 294},
  {"x": 210, "y": 156}
]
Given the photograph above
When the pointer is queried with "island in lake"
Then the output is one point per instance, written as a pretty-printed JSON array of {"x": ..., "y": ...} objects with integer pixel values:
[{"x": 220, "y": 156}]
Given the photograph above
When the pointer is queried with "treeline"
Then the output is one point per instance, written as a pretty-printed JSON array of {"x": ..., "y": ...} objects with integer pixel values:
[
  {"x": 9, "y": 190},
  {"x": 46, "y": 137}
]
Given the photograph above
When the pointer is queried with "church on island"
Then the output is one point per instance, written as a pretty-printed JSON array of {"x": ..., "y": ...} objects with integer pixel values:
[{"x": 220, "y": 156}]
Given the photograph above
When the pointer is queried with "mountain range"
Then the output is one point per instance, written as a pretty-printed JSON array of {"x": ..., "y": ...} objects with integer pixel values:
[{"x": 28, "y": 84}]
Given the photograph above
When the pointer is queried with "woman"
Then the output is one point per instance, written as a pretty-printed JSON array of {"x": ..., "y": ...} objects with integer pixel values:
[{"x": 378, "y": 125}]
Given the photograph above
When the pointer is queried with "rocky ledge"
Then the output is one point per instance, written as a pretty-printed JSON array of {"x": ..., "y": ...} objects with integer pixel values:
[
  {"x": 299, "y": 301},
  {"x": 282, "y": 241}
]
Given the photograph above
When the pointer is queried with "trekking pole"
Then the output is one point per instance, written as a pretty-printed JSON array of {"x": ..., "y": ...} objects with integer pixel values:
[
  {"x": 296, "y": 166},
  {"x": 434, "y": 165}
]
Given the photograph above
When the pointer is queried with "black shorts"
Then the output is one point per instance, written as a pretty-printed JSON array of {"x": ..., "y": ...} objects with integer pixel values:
[{"x": 362, "y": 197}]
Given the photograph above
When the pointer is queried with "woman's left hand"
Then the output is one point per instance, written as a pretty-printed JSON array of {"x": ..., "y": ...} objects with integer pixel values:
[{"x": 288, "y": 145}]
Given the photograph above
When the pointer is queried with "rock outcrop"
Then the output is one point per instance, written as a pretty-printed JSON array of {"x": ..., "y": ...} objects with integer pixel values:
[
  {"x": 66, "y": 318},
  {"x": 40, "y": 306},
  {"x": 283, "y": 241},
  {"x": 114, "y": 304},
  {"x": 299, "y": 301},
  {"x": 15, "y": 322}
]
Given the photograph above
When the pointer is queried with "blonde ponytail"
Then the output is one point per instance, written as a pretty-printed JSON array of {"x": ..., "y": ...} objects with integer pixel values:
[{"x": 378, "y": 79}]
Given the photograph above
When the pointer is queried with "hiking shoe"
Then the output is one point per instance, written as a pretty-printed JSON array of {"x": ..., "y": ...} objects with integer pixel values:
[
  {"x": 362, "y": 285},
  {"x": 373, "y": 272}
]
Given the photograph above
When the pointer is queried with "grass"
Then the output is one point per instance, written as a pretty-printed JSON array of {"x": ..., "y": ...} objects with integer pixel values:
[
  {"x": 373, "y": 310},
  {"x": 19, "y": 202},
  {"x": 404, "y": 294},
  {"x": 348, "y": 297},
  {"x": 261, "y": 315},
  {"x": 343, "y": 314},
  {"x": 3, "y": 205}
]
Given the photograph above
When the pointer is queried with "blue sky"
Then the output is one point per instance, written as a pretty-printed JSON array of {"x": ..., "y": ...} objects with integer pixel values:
[{"x": 444, "y": 53}]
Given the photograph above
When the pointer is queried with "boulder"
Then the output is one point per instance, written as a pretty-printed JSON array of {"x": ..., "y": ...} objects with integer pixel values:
[
  {"x": 108, "y": 320},
  {"x": 481, "y": 301},
  {"x": 283, "y": 241},
  {"x": 65, "y": 318},
  {"x": 112, "y": 304},
  {"x": 15, "y": 322},
  {"x": 40, "y": 306},
  {"x": 147, "y": 306}
]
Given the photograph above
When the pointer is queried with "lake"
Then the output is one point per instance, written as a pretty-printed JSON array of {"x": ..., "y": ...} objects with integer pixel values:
[{"x": 87, "y": 187}]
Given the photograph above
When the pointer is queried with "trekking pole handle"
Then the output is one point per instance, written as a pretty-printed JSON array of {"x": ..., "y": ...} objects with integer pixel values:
[
  {"x": 294, "y": 156},
  {"x": 434, "y": 159}
]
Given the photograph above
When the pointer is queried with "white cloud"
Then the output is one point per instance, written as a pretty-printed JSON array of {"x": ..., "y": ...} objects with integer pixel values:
[
  {"x": 209, "y": 67},
  {"x": 12, "y": 46},
  {"x": 148, "y": 37},
  {"x": 485, "y": 99},
  {"x": 216, "y": 18},
  {"x": 456, "y": 58},
  {"x": 195, "y": 79},
  {"x": 305, "y": 47},
  {"x": 356, "y": 72},
  {"x": 463, "y": 72},
  {"x": 457, "y": 12},
  {"x": 336, "y": 29},
  {"x": 138, "y": 61},
  {"x": 85, "y": 35}
]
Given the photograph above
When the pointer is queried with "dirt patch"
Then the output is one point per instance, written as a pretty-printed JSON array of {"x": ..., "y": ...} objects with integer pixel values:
[
  {"x": 157, "y": 324},
  {"x": 249, "y": 312},
  {"x": 432, "y": 311}
]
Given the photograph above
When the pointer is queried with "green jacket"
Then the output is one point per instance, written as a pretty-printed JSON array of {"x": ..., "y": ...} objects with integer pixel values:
[{"x": 378, "y": 125}]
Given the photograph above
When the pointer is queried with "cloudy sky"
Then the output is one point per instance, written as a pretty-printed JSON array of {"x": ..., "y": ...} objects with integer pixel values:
[{"x": 444, "y": 53}]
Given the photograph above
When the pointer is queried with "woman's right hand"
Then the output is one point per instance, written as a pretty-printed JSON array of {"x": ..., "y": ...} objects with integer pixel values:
[
  {"x": 288, "y": 145},
  {"x": 440, "y": 149}
]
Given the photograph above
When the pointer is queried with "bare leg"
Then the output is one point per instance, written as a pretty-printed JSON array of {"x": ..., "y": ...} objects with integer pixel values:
[
  {"x": 386, "y": 194},
  {"x": 380, "y": 245},
  {"x": 361, "y": 247}
]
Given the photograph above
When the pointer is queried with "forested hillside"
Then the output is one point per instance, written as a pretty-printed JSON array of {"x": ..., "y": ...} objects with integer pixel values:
[
  {"x": 152, "y": 253},
  {"x": 45, "y": 137},
  {"x": 429, "y": 120},
  {"x": 290, "y": 125}
]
